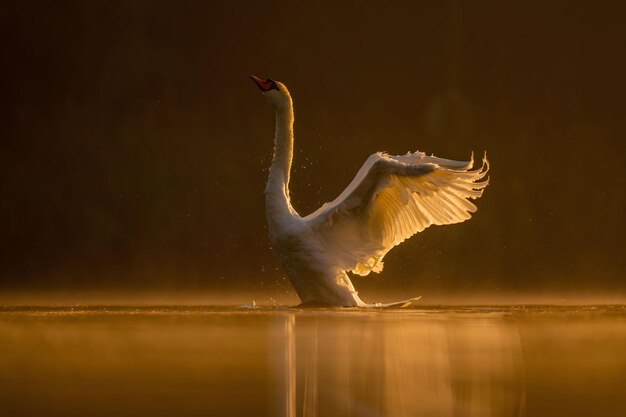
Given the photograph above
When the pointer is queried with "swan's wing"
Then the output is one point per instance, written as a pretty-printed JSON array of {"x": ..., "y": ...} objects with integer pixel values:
[{"x": 392, "y": 198}]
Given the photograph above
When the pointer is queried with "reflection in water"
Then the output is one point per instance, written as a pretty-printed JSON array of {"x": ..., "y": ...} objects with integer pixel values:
[
  {"x": 393, "y": 365},
  {"x": 282, "y": 355},
  {"x": 204, "y": 361}
]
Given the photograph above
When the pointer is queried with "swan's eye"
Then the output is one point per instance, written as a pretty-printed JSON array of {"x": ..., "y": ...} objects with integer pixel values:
[{"x": 273, "y": 86}]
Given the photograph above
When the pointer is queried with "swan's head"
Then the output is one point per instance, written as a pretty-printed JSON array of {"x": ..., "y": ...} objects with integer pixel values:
[{"x": 275, "y": 92}]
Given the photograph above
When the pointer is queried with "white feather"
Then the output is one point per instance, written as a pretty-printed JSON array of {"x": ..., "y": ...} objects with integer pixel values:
[{"x": 389, "y": 200}]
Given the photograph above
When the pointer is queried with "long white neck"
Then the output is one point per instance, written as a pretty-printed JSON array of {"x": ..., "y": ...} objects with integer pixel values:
[{"x": 277, "y": 199}]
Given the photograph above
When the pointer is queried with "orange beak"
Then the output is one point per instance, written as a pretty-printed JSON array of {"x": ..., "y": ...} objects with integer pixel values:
[{"x": 264, "y": 85}]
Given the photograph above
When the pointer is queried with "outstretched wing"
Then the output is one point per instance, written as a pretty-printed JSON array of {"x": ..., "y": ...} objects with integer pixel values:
[{"x": 392, "y": 198}]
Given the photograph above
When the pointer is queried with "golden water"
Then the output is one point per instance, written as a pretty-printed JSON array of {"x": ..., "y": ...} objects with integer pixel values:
[{"x": 430, "y": 361}]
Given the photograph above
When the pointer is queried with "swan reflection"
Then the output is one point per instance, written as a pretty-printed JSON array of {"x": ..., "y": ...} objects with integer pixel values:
[{"x": 396, "y": 365}]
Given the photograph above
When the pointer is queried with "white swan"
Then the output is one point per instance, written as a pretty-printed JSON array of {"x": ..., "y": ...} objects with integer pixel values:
[{"x": 390, "y": 199}]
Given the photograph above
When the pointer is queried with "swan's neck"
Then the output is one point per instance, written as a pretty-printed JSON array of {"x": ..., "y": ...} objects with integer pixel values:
[{"x": 277, "y": 190}]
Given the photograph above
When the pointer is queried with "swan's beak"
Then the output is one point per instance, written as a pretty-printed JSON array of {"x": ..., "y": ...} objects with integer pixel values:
[{"x": 264, "y": 85}]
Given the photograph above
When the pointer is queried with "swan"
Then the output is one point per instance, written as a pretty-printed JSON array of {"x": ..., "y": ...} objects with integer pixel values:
[{"x": 390, "y": 199}]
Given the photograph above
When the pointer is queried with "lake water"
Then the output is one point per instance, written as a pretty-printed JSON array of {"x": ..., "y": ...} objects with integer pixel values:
[{"x": 210, "y": 361}]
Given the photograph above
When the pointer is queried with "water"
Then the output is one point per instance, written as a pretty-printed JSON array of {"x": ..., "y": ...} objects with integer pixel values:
[{"x": 428, "y": 361}]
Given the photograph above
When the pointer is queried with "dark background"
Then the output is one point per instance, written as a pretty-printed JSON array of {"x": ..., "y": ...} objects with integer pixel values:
[{"x": 134, "y": 149}]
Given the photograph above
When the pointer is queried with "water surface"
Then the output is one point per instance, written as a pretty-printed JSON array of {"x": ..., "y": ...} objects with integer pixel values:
[{"x": 426, "y": 361}]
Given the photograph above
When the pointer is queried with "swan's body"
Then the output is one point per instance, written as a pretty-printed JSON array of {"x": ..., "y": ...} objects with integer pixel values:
[{"x": 390, "y": 199}]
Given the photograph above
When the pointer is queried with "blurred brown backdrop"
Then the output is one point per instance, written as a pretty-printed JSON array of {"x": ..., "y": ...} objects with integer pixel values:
[{"x": 134, "y": 149}]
